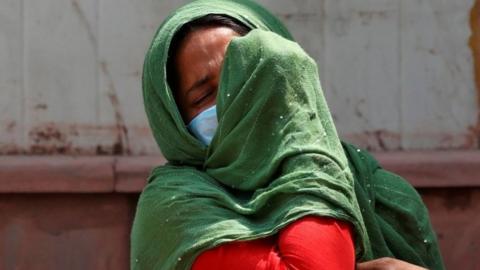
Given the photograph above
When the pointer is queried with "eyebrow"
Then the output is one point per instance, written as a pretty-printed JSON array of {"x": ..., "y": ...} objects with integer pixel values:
[{"x": 198, "y": 83}]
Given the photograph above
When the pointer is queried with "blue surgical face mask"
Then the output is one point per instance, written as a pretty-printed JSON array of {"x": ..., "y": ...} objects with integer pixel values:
[{"x": 204, "y": 125}]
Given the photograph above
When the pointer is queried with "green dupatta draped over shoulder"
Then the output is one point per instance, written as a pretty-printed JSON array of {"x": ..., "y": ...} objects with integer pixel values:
[{"x": 275, "y": 157}]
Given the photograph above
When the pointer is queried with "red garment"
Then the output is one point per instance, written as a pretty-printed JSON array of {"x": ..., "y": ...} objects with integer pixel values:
[{"x": 310, "y": 243}]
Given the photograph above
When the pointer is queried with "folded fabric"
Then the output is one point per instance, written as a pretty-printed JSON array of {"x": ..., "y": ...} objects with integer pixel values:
[{"x": 397, "y": 221}]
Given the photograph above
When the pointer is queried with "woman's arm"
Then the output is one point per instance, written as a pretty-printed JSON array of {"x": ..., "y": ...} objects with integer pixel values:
[{"x": 309, "y": 243}]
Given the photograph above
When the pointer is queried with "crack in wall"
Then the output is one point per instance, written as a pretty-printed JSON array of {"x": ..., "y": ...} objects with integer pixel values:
[
  {"x": 84, "y": 21},
  {"x": 122, "y": 146}
]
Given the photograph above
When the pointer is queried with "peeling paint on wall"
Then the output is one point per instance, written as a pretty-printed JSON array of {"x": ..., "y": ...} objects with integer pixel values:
[{"x": 59, "y": 139}]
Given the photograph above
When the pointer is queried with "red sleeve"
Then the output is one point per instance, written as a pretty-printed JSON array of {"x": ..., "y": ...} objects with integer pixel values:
[{"x": 309, "y": 243}]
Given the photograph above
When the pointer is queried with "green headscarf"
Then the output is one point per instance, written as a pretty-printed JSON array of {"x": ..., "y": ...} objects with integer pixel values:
[
  {"x": 275, "y": 157},
  {"x": 164, "y": 117}
]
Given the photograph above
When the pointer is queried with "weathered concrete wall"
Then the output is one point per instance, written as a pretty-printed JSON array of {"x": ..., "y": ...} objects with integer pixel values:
[{"x": 397, "y": 74}]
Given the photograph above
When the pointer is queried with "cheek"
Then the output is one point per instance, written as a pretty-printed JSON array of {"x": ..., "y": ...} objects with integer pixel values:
[
  {"x": 189, "y": 74},
  {"x": 184, "y": 109}
]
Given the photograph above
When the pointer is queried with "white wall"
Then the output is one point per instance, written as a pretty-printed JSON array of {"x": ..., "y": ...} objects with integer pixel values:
[{"x": 397, "y": 74}]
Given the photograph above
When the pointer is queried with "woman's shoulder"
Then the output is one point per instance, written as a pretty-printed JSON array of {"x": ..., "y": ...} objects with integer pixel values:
[{"x": 374, "y": 179}]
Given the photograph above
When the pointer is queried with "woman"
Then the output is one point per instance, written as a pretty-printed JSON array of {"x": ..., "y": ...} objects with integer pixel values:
[{"x": 272, "y": 171}]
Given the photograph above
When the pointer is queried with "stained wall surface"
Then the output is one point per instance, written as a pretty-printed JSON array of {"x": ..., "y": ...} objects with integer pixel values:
[{"x": 397, "y": 74}]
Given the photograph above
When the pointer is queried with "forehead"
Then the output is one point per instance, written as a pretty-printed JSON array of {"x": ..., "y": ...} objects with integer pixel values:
[
  {"x": 202, "y": 49},
  {"x": 202, "y": 39}
]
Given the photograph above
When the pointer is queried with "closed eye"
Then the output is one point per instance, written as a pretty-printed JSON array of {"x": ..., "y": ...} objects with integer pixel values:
[{"x": 204, "y": 97}]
